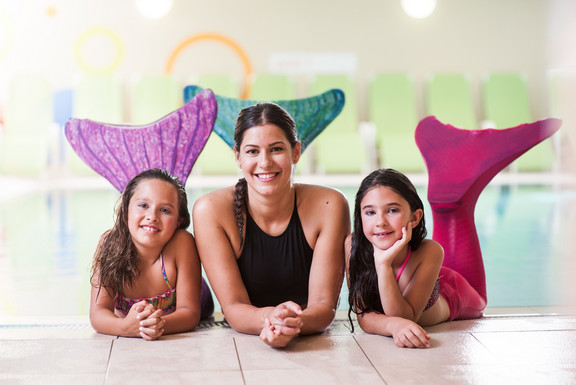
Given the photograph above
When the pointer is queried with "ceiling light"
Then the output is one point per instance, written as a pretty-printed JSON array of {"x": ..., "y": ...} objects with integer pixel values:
[{"x": 419, "y": 9}]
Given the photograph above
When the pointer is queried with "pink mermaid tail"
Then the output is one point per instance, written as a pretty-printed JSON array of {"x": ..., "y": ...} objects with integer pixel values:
[
  {"x": 173, "y": 143},
  {"x": 460, "y": 164}
]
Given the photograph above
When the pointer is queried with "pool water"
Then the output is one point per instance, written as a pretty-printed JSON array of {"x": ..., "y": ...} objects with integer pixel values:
[{"x": 47, "y": 239}]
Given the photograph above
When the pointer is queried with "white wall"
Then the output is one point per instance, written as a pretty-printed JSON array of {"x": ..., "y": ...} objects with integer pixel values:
[{"x": 472, "y": 36}]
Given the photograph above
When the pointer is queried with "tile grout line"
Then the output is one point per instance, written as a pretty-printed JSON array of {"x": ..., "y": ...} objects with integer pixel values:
[
  {"x": 108, "y": 361},
  {"x": 239, "y": 363},
  {"x": 369, "y": 360}
]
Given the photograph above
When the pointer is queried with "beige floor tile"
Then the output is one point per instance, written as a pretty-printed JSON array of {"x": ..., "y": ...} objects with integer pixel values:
[
  {"x": 174, "y": 353},
  {"x": 313, "y": 376},
  {"x": 340, "y": 327},
  {"x": 52, "y": 379},
  {"x": 51, "y": 332},
  {"x": 304, "y": 352},
  {"x": 161, "y": 376},
  {"x": 543, "y": 373},
  {"x": 447, "y": 348},
  {"x": 508, "y": 323},
  {"x": 54, "y": 357},
  {"x": 558, "y": 347},
  {"x": 446, "y": 374}
]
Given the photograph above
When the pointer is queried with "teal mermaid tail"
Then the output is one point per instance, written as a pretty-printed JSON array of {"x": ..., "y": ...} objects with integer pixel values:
[
  {"x": 173, "y": 143},
  {"x": 311, "y": 115},
  {"x": 460, "y": 164}
]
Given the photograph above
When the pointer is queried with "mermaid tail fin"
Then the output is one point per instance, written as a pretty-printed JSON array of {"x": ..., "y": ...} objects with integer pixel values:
[
  {"x": 173, "y": 143},
  {"x": 312, "y": 115},
  {"x": 460, "y": 164},
  {"x": 463, "y": 161}
]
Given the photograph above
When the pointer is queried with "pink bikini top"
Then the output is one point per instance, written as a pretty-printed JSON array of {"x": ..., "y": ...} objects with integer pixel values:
[
  {"x": 435, "y": 291},
  {"x": 403, "y": 265}
]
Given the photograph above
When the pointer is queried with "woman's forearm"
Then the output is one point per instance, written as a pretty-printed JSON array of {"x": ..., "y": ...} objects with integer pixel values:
[
  {"x": 246, "y": 318},
  {"x": 316, "y": 318}
]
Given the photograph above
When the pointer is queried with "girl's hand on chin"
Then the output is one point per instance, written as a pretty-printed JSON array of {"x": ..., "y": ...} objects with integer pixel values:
[{"x": 388, "y": 255}]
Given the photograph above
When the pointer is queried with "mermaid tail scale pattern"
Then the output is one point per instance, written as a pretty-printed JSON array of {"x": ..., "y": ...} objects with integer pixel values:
[
  {"x": 312, "y": 115},
  {"x": 173, "y": 143}
]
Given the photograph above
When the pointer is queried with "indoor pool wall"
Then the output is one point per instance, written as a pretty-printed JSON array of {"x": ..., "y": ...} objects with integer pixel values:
[{"x": 47, "y": 239}]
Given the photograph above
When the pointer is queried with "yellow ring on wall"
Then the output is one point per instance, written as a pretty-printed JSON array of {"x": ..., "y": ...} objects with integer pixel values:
[
  {"x": 106, "y": 33},
  {"x": 221, "y": 39},
  {"x": 7, "y": 28}
]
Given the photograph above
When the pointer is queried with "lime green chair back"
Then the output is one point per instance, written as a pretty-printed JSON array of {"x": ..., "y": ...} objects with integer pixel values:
[
  {"x": 220, "y": 84},
  {"x": 97, "y": 97},
  {"x": 29, "y": 105},
  {"x": 272, "y": 87},
  {"x": 153, "y": 97},
  {"x": 507, "y": 104},
  {"x": 506, "y": 101},
  {"x": 562, "y": 86},
  {"x": 449, "y": 98},
  {"x": 392, "y": 108},
  {"x": 217, "y": 158},
  {"x": 25, "y": 144},
  {"x": 347, "y": 121},
  {"x": 341, "y": 136}
]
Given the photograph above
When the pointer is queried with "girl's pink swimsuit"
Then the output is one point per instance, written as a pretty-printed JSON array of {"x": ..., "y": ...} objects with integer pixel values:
[{"x": 435, "y": 291}]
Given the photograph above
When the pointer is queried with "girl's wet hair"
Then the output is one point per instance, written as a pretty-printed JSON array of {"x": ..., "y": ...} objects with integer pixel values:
[
  {"x": 363, "y": 293},
  {"x": 116, "y": 259},
  {"x": 253, "y": 116}
]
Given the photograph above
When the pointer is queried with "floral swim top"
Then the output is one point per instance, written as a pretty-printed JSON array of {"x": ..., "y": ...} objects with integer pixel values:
[{"x": 165, "y": 301}]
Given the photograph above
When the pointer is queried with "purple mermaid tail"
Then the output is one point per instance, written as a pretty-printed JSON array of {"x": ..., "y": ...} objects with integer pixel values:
[
  {"x": 173, "y": 143},
  {"x": 460, "y": 164}
]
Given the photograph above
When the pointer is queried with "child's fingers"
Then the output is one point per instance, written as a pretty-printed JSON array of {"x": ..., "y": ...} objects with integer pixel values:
[
  {"x": 148, "y": 311},
  {"x": 153, "y": 322}
]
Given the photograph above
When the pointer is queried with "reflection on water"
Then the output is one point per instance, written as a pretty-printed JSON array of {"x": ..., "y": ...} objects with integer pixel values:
[{"x": 47, "y": 240}]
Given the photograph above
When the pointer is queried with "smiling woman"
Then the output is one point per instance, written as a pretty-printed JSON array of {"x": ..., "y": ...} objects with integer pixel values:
[{"x": 273, "y": 250}]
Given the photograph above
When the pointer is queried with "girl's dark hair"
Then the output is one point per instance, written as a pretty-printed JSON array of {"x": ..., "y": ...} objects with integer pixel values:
[
  {"x": 116, "y": 259},
  {"x": 363, "y": 293},
  {"x": 258, "y": 115}
]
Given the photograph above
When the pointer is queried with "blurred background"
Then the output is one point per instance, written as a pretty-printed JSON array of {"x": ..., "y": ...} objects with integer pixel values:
[{"x": 474, "y": 64}]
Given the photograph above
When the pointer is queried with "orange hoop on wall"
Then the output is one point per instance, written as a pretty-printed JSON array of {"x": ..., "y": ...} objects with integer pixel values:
[{"x": 221, "y": 39}]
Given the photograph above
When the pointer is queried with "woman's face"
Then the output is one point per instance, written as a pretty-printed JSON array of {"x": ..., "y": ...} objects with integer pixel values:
[
  {"x": 266, "y": 158},
  {"x": 384, "y": 213}
]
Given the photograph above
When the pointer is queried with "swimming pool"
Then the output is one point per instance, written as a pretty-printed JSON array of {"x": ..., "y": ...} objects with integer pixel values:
[{"x": 48, "y": 236}]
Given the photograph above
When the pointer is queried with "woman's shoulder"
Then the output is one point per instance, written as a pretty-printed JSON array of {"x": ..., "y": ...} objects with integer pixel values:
[
  {"x": 316, "y": 193},
  {"x": 214, "y": 200},
  {"x": 322, "y": 205}
]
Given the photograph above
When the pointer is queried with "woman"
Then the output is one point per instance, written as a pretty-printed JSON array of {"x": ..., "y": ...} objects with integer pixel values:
[{"x": 273, "y": 250}]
